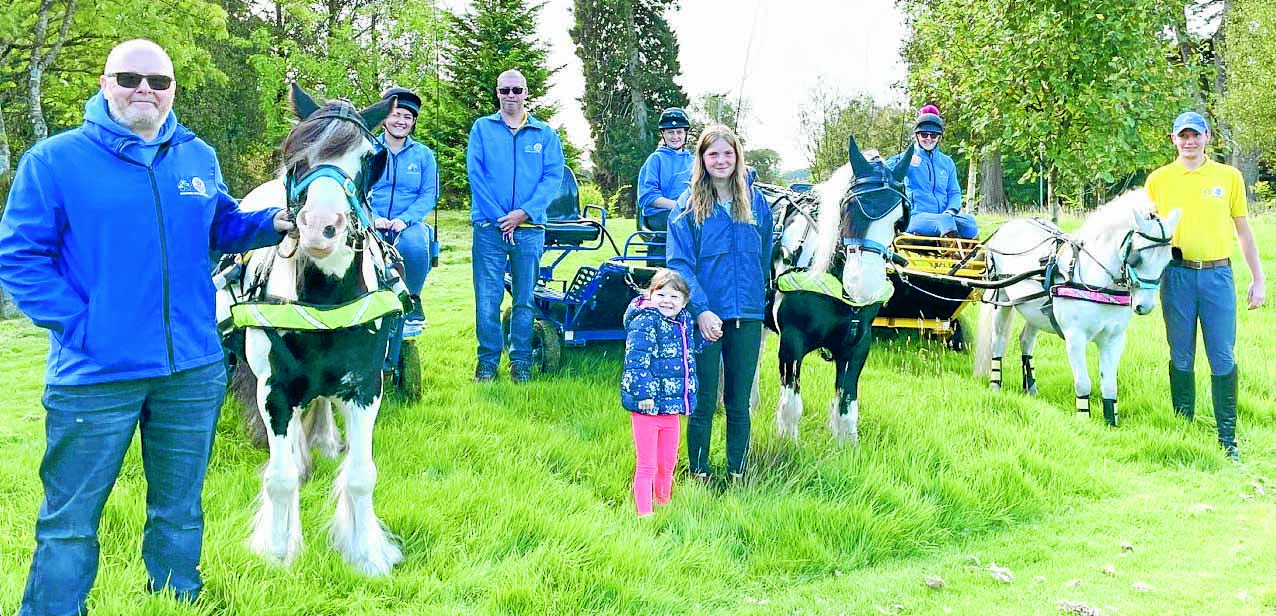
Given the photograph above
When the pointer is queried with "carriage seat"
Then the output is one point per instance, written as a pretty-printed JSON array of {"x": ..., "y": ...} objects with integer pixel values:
[{"x": 564, "y": 224}]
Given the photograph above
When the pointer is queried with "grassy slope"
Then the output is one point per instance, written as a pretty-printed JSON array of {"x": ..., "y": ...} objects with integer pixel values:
[{"x": 515, "y": 500}]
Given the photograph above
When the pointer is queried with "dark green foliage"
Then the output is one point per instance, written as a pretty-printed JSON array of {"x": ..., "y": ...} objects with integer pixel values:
[{"x": 630, "y": 58}]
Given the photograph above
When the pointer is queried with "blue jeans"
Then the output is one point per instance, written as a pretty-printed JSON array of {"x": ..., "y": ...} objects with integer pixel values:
[
  {"x": 1207, "y": 296},
  {"x": 414, "y": 244},
  {"x": 492, "y": 256},
  {"x": 939, "y": 225},
  {"x": 89, "y": 429}
]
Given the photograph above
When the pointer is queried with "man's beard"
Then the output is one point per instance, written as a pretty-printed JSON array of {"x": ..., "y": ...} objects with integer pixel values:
[{"x": 136, "y": 118}]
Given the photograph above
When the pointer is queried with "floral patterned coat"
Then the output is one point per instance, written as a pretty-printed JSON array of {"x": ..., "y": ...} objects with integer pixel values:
[{"x": 660, "y": 360}]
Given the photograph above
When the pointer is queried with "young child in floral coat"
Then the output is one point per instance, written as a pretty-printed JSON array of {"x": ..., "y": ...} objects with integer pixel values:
[{"x": 659, "y": 382}]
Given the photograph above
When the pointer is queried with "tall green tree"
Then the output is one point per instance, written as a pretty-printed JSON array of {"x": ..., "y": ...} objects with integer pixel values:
[
  {"x": 494, "y": 36},
  {"x": 1082, "y": 86},
  {"x": 826, "y": 120},
  {"x": 630, "y": 59},
  {"x": 1248, "y": 55}
]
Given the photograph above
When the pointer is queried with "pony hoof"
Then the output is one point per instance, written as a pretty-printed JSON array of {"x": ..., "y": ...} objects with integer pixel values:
[
  {"x": 1031, "y": 391},
  {"x": 995, "y": 386}
]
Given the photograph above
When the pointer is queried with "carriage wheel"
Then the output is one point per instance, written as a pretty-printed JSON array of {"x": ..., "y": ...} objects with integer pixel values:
[
  {"x": 547, "y": 343},
  {"x": 409, "y": 375},
  {"x": 957, "y": 340}
]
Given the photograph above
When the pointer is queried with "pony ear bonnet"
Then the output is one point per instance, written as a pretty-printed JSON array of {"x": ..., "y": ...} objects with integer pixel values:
[
  {"x": 374, "y": 115},
  {"x": 901, "y": 166},
  {"x": 302, "y": 104},
  {"x": 859, "y": 164}
]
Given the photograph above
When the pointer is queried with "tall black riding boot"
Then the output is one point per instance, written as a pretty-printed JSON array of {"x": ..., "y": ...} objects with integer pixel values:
[
  {"x": 1183, "y": 392},
  {"x": 1223, "y": 389}
]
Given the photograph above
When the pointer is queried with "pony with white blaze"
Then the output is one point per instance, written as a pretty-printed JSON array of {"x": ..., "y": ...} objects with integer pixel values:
[
  {"x": 830, "y": 268},
  {"x": 316, "y": 314},
  {"x": 1090, "y": 284}
]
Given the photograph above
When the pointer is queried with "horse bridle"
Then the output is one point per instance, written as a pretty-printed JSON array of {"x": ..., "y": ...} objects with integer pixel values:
[
  {"x": 1131, "y": 258},
  {"x": 854, "y": 198},
  {"x": 357, "y": 200}
]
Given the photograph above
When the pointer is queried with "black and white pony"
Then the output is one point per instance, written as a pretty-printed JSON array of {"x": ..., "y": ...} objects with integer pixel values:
[
  {"x": 1093, "y": 282},
  {"x": 830, "y": 267},
  {"x": 304, "y": 308}
]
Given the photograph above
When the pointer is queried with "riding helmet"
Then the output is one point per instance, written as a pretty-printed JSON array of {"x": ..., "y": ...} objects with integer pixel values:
[
  {"x": 674, "y": 117},
  {"x": 405, "y": 98},
  {"x": 928, "y": 120}
]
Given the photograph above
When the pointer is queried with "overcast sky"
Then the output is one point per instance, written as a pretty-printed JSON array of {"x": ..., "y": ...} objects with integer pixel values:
[{"x": 776, "y": 50}]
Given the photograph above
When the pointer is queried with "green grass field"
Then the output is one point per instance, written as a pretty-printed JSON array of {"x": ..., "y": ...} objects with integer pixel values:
[{"x": 515, "y": 499}]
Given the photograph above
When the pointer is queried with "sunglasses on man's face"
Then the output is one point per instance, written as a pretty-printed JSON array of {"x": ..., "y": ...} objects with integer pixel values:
[
  {"x": 513, "y": 90},
  {"x": 133, "y": 80},
  {"x": 928, "y": 135}
]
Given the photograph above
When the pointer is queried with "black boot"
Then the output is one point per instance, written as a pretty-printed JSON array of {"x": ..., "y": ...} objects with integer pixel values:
[
  {"x": 1223, "y": 389},
  {"x": 1110, "y": 412},
  {"x": 1183, "y": 392}
]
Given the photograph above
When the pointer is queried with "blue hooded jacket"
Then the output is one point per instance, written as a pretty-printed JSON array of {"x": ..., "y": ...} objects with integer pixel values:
[
  {"x": 660, "y": 360},
  {"x": 106, "y": 243},
  {"x": 409, "y": 188},
  {"x": 512, "y": 170},
  {"x": 726, "y": 263},
  {"x": 932, "y": 182},
  {"x": 667, "y": 173}
]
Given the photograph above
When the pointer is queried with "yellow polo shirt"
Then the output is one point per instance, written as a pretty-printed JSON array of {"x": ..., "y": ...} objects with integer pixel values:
[{"x": 1210, "y": 197}]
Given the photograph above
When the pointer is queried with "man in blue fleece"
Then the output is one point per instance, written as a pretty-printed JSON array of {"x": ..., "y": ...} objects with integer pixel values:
[
  {"x": 515, "y": 166},
  {"x": 664, "y": 177},
  {"x": 105, "y": 242}
]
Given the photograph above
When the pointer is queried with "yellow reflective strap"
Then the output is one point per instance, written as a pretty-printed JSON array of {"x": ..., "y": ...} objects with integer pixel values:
[
  {"x": 824, "y": 284},
  {"x": 302, "y": 317}
]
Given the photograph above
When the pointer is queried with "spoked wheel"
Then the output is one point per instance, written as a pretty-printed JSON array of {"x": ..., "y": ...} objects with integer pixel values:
[
  {"x": 408, "y": 371},
  {"x": 957, "y": 340},
  {"x": 547, "y": 342}
]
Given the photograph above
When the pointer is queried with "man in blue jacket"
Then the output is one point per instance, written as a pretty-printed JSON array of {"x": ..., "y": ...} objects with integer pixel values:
[
  {"x": 405, "y": 195},
  {"x": 664, "y": 177},
  {"x": 515, "y": 167},
  {"x": 932, "y": 183},
  {"x": 105, "y": 242}
]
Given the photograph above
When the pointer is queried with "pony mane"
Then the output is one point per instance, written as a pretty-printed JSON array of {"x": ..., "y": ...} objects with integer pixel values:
[
  {"x": 1111, "y": 220},
  {"x": 321, "y": 138},
  {"x": 829, "y": 194}
]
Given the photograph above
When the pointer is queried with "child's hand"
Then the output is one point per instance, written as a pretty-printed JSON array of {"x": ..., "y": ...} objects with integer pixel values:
[{"x": 646, "y": 405}]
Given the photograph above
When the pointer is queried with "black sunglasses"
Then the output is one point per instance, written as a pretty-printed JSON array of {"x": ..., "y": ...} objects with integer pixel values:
[
  {"x": 929, "y": 135},
  {"x": 514, "y": 90},
  {"x": 132, "y": 80}
]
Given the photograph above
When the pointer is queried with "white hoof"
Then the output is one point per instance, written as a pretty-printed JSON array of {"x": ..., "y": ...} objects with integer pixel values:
[
  {"x": 845, "y": 427},
  {"x": 788, "y": 413}
]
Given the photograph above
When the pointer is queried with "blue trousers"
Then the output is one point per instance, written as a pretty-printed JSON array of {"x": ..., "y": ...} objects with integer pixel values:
[
  {"x": 88, "y": 430},
  {"x": 1206, "y": 296},
  {"x": 492, "y": 256},
  {"x": 414, "y": 244},
  {"x": 939, "y": 225}
]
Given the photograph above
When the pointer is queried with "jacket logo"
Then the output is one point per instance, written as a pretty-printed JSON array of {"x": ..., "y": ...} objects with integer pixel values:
[
  {"x": 193, "y": 187},
  {"x": 917, "y": 160},
  {"x": 412, "y": 168},
  {"x": 534, "y": 148}
]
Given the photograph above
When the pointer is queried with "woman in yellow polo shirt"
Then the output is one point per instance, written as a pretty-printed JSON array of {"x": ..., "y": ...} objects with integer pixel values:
[{"x": 1198, "y": 284}]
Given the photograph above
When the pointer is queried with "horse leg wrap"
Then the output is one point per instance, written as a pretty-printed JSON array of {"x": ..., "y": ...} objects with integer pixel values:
[
  {"x": 994, "y": 373},
  {"x": 1110, "y": 412},
  {"x": 1083, "y": 407},
  {"x": 1029, "y": 379}
]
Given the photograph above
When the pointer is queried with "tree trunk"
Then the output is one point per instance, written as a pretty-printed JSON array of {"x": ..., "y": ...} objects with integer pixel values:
[
  {"x": 994, "y": 197},
  {"x": 41, "y": 61},
  {"x": 972, "y": 181},
  {"x": 1051, "y": 197},
  {"x": 4, "y": 145}
]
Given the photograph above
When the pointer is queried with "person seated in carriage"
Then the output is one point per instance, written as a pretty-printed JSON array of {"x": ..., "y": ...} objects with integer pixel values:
[
  {"x": 664, "y": 177},
  {"x": 932, "y": 183},
  {"x": 406, "y": 193}
]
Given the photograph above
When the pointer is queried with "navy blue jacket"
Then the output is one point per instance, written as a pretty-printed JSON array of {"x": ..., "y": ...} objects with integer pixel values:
[
  {"x": 512, "y": 170},
  {"x": 108, "y": 248},
  {"x": 726, "y": 263},
  {"x": 660, "y": 360},
  {"x": 409, "y": 188}
]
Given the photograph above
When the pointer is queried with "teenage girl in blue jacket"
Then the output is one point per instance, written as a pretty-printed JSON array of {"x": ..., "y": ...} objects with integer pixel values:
[{"x": 720, "y": 239}]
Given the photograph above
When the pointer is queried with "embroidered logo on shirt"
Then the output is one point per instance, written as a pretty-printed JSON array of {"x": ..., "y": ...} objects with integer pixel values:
[
  {"x": 412, "y": 168},
  {"x": 1217, "y": 192},
  {"x": 193, "y": 187},
  {"x": 534, "y": 148}
]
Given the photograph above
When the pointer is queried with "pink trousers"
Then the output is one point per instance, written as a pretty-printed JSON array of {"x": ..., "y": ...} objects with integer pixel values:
[{"x": 656, "y": 449}]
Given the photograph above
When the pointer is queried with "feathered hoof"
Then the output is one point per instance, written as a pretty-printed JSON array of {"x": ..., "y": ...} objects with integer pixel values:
[
  {"x": 262, "y": 544},
  {"x": 374, "y": 555},
  {"x": 996, "y": 387}
]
